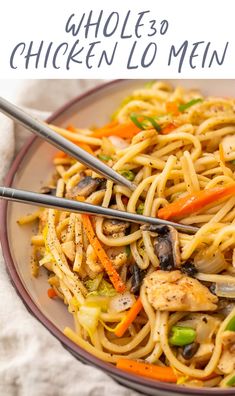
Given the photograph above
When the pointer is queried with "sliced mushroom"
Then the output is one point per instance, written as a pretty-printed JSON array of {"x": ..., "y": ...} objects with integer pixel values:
[
  {"x": 86, "y": 186},
  {"x": 111, "y": 227},
  {"x": 137, "y": 278},
  {"x": 166, "y": 247},
  {"x": 189, "y": 269}
]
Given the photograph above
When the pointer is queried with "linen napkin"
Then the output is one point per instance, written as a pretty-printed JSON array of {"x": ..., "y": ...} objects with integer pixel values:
[{"x": 32, "y": 361}]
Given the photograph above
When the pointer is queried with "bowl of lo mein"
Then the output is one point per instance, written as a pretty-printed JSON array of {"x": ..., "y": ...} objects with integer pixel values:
[{"x": 151, "y": 306}]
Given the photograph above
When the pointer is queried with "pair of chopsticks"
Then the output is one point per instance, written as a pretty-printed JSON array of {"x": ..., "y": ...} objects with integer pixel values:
[{"x": 46, "y": 133}]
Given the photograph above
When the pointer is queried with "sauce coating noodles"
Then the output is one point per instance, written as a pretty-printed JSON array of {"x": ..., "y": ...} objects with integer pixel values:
[{"x": 176, "y": 307}]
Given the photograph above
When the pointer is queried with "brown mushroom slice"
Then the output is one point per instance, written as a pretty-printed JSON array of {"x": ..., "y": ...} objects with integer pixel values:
[
  {"x": 166, "y": 247},
  {"x": 111, "y": 227},
  {"x": 85, "y": 187}
]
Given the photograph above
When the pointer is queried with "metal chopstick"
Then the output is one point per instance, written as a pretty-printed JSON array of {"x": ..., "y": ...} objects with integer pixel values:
[
  {"x": 60, "y": 142},
  {"x": 48, "y": 201}
]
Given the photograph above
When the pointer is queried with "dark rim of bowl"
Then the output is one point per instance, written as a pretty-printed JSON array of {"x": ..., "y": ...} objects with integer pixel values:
[{"x": 35, "y": 311}]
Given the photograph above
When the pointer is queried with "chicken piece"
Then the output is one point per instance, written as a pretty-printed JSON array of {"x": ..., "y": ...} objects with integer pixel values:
[
  {"x": 204, "y": 353},
  {"x": 228, "y": 339},
  {"x": 198, "y": 353},
  {"x": 115, "y": 227},
  {"x": 227, "y": 359},
  {"x": 174, "y": 291},
  {"x": 117, "y": 255},
  {"x": 228, "y": 145},
  {"x": 92, "y": 260}
]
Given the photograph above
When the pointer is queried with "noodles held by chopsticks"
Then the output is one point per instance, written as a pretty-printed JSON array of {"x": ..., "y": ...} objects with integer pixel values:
[{"x": 153, "y": 301}]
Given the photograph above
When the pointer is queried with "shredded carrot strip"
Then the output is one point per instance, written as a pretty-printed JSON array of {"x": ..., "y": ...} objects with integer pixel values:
[
  {"x": 193, "y": 202},
  {"x": 165, "y": 374},
  {"x": 71, "y": 128},
  {"x": 129, "y": 318},
  {"x": 84, "y": 146},
  {"x": 100, "y": 252},
  {"x": 60, "y": 154},
  {"x": 173, "y": 108},
  {"x": 80, "y": 199},
  {"x": 51, "y": 293},
  {"x": 126, "y": 130},
  {"x": 168, "y": 128}
]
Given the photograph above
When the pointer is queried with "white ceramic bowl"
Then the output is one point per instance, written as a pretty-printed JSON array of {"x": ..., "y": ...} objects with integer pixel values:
[{"x": 31, "y": 169}]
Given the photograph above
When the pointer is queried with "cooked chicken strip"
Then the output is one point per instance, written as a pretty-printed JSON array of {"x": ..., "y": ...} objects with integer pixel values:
[{"x": 174, "y": 291}]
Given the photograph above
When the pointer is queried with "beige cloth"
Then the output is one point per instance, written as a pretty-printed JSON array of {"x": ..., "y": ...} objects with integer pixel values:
[{"x": 32, "y": 361}]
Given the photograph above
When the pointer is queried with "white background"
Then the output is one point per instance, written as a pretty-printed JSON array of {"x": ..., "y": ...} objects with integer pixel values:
[{"x": 198, "y": 20}]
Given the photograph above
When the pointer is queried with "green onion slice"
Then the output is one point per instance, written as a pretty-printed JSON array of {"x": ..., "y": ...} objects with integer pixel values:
[
  {"x": 185, "y": 106},
  {"x": 128, "y": 174},
  {"x": 128, "y": 250},
  {"x": 104, "y": 157},
  {"x": 141, "y": 124},
  {"x": 140, "y": 208}
]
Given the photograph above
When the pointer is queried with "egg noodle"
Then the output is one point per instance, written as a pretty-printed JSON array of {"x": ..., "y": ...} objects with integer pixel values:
[{"x": 173, "y": 144}]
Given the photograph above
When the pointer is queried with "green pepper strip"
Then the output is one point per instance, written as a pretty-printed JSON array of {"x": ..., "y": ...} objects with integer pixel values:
[
  {"x": 231, "y": 381},
  {"x": 231, "y": 325},
  {"x": 182, "y": 336},
  {"x": 185, "y": 106}
]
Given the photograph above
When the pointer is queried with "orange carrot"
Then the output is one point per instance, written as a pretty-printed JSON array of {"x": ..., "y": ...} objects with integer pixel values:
[
  {"x": 126, "y": 130},
  {"x": 193, "y": 202},
  {"x": 71, "y": 128},
  {"x": 60, "y": 154},
  {"x": 80, "y": 198},
  {"x": 164, "y": 374},
  {"x": 168, "y": 128},
  {"x": 100, "y": 252},
  {"x": 51, "y": 293},
  {"x": 173, "y": 108},
  {"x": 84, "y": 146},
  {"x": 129, "y": 318}
]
